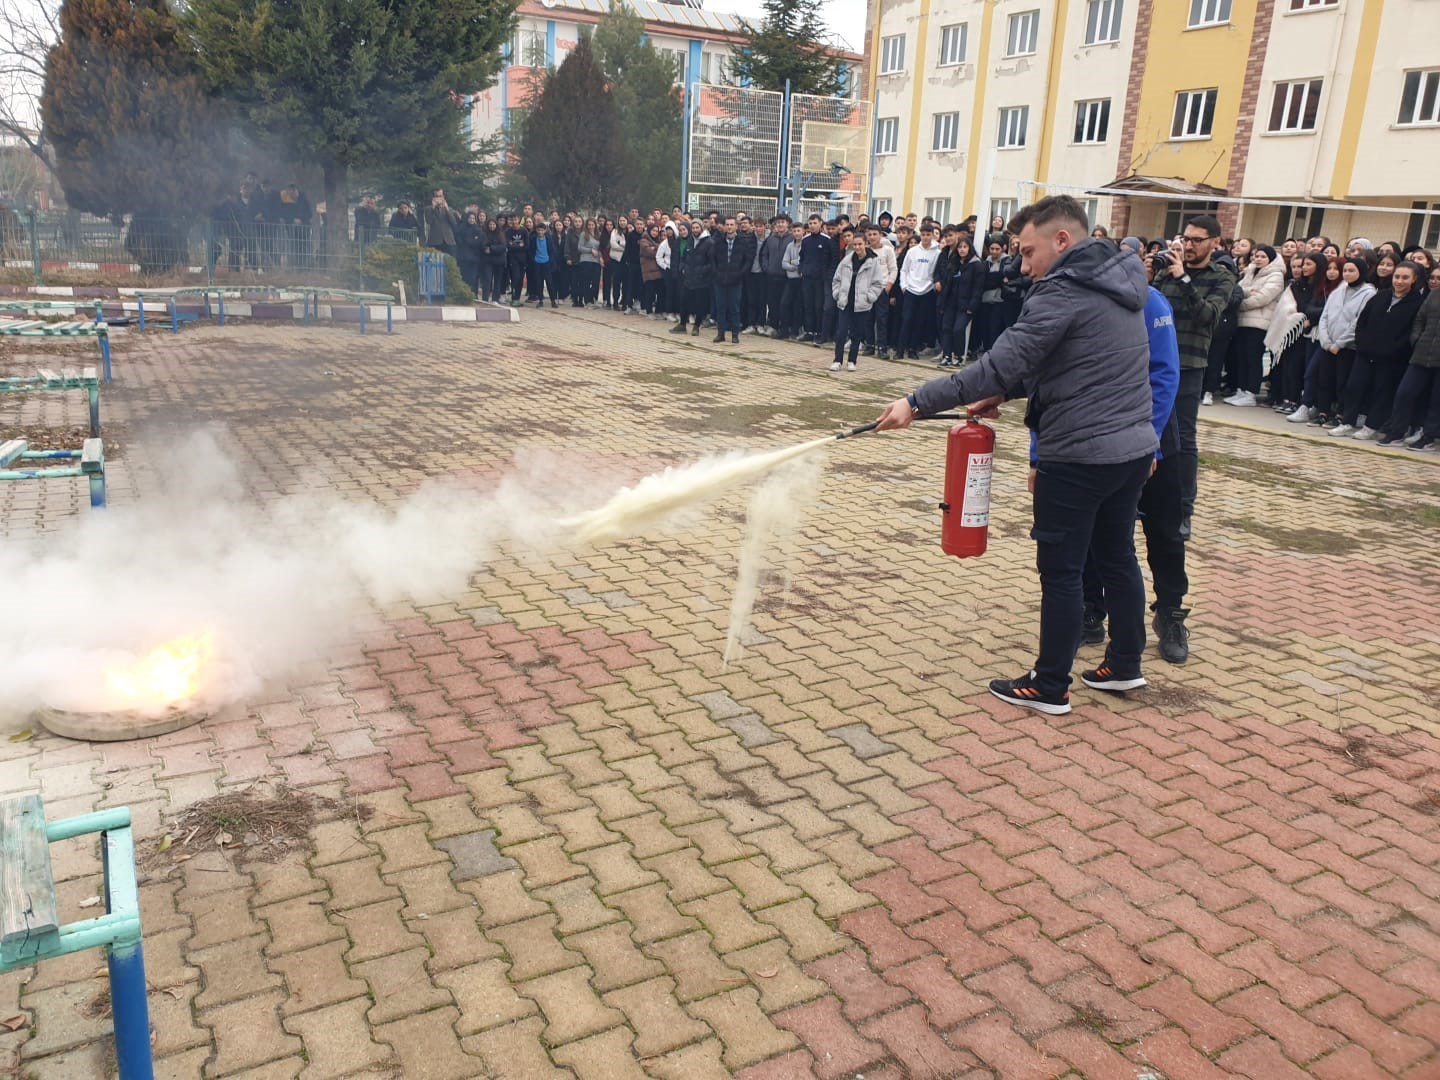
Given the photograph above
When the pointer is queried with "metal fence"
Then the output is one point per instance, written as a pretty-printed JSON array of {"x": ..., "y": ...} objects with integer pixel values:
[
  {"x": 46, "y": 247},
  {"x": 759, "y": 207},
  {"x": 735, "y": 137},
  {"x": 829, "y": 153}
]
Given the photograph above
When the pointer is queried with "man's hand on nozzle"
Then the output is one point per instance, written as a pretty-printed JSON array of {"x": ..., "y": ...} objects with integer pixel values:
[{"x": 898, "y": 414}]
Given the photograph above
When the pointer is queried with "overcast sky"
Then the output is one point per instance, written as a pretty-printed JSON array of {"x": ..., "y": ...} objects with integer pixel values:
[{"x": 846, "y": 17}]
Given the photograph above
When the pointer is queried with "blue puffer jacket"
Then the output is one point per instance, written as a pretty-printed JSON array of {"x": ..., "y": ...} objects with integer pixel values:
[{"x": 1080, "y": 351}]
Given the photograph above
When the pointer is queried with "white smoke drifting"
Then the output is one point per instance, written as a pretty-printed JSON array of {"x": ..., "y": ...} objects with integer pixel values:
[{"x": 273, "y": 587}]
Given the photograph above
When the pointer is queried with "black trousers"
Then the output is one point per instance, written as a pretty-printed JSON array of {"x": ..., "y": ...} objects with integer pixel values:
[
  {"x": 812, "y": 291},
  {"x": 1249, "y": 358},
  {"x": 633, "y": 279},
  {"x": 515, "y": 267},
  {"x": 853, "y": 326},
  {"x": 917, "y": 320},
  {"x": 1220, "y": 356},
  {"x": 756, "y": 291},
  {"x": 1083, "y": 509},
  {"x": 697, "y": 305},
  {"x": 792, "y": 317},
  {"x": 542, "y": 277},
  {"x": 1161, "y": 515},
  {"x": 498, "y": 277},
  {"x": 1187, "y": 418},
  {"x": 613, "y": 278},
  {"x": 775, "y": 301},
  {"x": 1417, "y": 401}
]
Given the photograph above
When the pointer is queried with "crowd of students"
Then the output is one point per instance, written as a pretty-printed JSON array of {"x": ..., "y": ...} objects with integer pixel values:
[
  {"x": 1344, "y": 340},
  {"x": 891, "y": 287}
]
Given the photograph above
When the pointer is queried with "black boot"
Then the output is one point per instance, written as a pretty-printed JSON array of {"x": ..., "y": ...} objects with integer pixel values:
[
  {"x": 695, "y": 330},
  {"x": 679, "y": 328},
  {"x": 1169, "y": 625},
  {"x": 719, "y": 338},
  {"x": 1093, "y": 631},
  {"x": 734, "y": 338}
]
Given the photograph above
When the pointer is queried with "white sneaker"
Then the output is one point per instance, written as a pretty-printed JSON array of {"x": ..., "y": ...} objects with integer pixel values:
[
  {"x": 1414, "y": 437},
  {"x": 850, "y": 366},
  {"x": 1344, "y": 431},
  {"x": 1301, "y": 415},
  {"x": 1208, "y": 399},
  {"x": 835, "y": 366},
  {"x": 1366, "y": 434},
  {"x": 1243, "y": 400}
]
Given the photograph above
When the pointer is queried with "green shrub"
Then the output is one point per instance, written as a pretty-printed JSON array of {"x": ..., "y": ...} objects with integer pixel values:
[{"x": 389, "y": 260}]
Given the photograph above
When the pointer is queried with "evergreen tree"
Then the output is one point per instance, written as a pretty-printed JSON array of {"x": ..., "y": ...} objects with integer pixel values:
[
  {"x": 789, "y": 44},
  {"x": 132, "y": 126},
  {"x": 572, "y": 148},
  {"x": 347, "y": 83},
  {"x": 642, "y": 81}
]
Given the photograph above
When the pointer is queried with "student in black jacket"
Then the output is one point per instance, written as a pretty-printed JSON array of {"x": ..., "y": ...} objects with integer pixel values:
[
  {"x": 1382, "y": 351},
  {"x": 731, "y": 255},
  {"x": 959, "y": 300},
  {"x": 469, "y": 241},
  {"x": 517, "y": 248},
  {"x": 493, "y": 274}
]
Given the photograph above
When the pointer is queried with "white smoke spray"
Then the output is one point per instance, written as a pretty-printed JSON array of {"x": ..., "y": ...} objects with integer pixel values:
[
  {"x": 273, "y": 587},
  {"x": 775, "y": 512}
]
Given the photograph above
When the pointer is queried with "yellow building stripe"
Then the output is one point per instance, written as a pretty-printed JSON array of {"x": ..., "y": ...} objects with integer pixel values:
[
  {"x": 977, "y": 116},
  {"x": 917, "y": 65},
  {"x": 1048, "y": 120},
  {"x": 1358, "y": 93}
]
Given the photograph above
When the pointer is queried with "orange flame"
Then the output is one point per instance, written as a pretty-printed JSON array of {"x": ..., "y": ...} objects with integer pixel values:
[{"x": 167, "y": 675}]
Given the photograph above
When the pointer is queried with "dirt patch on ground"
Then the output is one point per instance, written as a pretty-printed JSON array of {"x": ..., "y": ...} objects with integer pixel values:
[
  {"x": 1172, "y": 698},
  {"x": 259, "y": 823},
  {"x": 1301, "y": 541},
  {"x": 817, "y": 412},
  {"x": 64, "y": 438}
]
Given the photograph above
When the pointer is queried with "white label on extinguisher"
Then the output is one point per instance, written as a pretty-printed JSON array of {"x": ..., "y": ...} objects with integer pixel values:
[{"x": 975, "y": 510}]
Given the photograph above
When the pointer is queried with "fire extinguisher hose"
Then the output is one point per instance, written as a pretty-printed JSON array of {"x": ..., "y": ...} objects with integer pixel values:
[{"x": 863, "y": 428}]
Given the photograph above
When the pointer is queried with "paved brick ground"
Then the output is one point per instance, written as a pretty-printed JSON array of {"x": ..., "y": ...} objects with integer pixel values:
[{"x": 593, "y": 852}]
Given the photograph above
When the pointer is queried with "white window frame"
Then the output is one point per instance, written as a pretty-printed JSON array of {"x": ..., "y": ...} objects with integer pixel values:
[
  {"x": 534, "y": 55},
  {"x": 892, "y": 54},
  {"x": 1427, "y": 83},
  {"x": 1426, "y": 230},
  {"x": 954, "y": 43},
  {"x": 931, "y": 205},
  {"x": 1297, "y": 7},
  {"x": 1194, "y": 114},
  {"x": 880, "y": 206},
  {"x": 1102, "y": 21},
  {"x": 945, "y": 132},
  {"x": 1022, "y": 36},
  {"x": 1091, "y": 207},
  {"x": 1090, "y": 115},
  {"x": 1205, "y": 13},
  {"x": 887, "y": 136},
  {"x": 1292, "y": 97},
  {"x": 1012, "y": 131},
  {"x": 1002, "y": 208}
]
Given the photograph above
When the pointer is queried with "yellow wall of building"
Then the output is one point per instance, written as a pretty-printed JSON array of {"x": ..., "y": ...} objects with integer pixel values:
[{"x": 1184, "y": 59}]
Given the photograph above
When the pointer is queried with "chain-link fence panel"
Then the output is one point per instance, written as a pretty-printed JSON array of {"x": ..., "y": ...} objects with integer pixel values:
[
  {"x": 831, "y": 208},
  {"x": 71, "y": 248},
  {"x": 735, "y": 137},
  {"x": 829, "y": 151},
  {"x": 759, "y": 207}
]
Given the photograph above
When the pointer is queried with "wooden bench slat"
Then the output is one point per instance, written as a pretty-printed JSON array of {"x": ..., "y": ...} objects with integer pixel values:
[
  {"x": 92, "y": 456},
  {"x": 11, "y": 451},
  {"x": 28, "y": 916},
  {"x": 19, "y": 326}
]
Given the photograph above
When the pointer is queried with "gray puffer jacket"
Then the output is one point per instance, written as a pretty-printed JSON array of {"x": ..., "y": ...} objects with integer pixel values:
[
  {"x": 1425, "y": 333},
  {"x": 1080, "y": 352}
]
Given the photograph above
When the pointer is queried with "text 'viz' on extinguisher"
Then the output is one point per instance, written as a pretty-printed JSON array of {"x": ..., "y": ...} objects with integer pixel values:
[{"x": 969, "y": 462}]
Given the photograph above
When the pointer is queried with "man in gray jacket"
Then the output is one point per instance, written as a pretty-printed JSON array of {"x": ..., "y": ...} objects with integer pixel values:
[{"x": 1080, "y": 353}]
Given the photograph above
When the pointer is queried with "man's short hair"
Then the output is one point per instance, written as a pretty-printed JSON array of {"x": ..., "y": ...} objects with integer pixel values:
[
  {"x": 926, "y": 226},
  {"x": 1207, "y": 222},
  {"x": 816, "y": 217},
  {"x": 1053, "y": 209}
]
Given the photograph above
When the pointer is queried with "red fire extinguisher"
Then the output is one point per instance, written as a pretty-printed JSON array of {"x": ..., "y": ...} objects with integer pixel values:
[{"x": 969, "y": 458}]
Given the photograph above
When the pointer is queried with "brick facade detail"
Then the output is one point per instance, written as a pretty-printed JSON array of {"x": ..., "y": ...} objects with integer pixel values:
[
  {"x": 1229, "y": 214},
  {"x": 1120, "y": 215}
]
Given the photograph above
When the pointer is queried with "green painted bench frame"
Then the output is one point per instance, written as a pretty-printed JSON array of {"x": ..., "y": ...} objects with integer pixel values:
[
  {"x": 45, "y": 379},
  {"x": 39, "y": 328},
  {"x": 30, "y": 928},
  {"x": 90, "y": 458},
  {"x": 310, "y": 297}
]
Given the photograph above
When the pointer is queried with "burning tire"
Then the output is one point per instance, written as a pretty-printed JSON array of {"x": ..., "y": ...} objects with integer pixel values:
[{"x": 113, "y": 726}]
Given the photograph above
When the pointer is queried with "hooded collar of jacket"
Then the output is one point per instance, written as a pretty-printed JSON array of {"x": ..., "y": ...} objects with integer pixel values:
[{"x": 1104, "y": 267}]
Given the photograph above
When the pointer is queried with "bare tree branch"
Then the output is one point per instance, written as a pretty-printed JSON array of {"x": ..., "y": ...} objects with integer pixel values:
[{"x": 28, "y": 30}]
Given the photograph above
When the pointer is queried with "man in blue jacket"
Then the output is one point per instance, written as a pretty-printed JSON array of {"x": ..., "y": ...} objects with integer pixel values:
[
  {"x": 816, "y": 271},
  {"x": 1080, "y": 353},
  {"x": 1161, "y": 504}
]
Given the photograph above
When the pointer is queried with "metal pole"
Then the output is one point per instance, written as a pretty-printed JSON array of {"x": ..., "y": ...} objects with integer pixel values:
[
  {"x": 690, "y": 96},
  {"x": 783, "y": 172},
  {"x": 34, "y": 248},
  {"x": 870, "y": 180}
]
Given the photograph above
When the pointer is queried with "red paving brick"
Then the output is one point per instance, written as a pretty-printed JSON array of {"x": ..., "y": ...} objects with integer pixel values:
[{"x": 1207, "y": 880}]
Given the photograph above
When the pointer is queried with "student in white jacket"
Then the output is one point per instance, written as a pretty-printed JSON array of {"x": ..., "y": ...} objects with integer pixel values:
[
  {"x": 918, "y": 289},
  {"x": 880, "y": 324},
  {"x": 1336, "y": 335},
  {"x": 1262, "y": 283}
]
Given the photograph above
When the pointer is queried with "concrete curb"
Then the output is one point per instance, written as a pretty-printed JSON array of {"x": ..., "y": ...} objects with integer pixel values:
[{"x": 114, "y": 305}]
